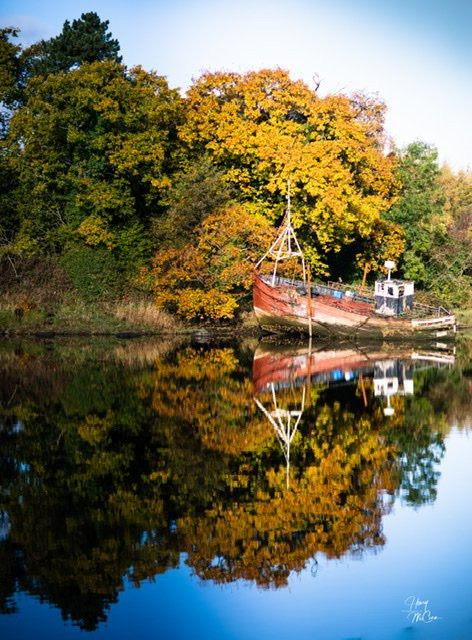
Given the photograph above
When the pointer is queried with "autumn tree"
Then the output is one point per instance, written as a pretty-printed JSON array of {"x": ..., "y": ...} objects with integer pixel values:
[
  {"x": 206, "y": 276},
  {"x": 457, "y": 192},
  {"x": 385, "y": 242},
  {"x": 451, "y": 254},
  {"x": 263, "y": 129},
  {"x": 198, "y": 190},
  {"x": 92, "y": 149}
]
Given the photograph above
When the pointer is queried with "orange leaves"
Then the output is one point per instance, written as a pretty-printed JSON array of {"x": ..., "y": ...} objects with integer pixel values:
[
  {"x": 205, "y": 390},
  {"x": 265, "y": 128},
  {"x": 204, "y": 278}
]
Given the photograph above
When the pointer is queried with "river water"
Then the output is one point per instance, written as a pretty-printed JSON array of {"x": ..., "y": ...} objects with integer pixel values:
[{"x": 167, "y": 490}]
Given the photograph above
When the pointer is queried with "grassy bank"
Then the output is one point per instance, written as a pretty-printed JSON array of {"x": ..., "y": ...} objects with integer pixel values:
[
  {"x": 464, "y": 319},
  {"x": 138, "y": 317},
  {"x": 79, "y": 318},
  {"x": 76, "y": 317},
  {"x": 39, "y": 297}
]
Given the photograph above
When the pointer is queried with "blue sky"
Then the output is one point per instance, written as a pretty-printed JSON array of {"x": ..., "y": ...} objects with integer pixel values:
[{"x": 415, "y": 54}]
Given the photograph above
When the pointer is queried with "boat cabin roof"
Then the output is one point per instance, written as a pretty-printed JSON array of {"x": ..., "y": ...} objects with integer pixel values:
[{"x": 395, "y": 281}]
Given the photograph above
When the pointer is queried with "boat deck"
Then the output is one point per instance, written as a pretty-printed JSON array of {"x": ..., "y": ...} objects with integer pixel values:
[{"x": 352, "y": 298}]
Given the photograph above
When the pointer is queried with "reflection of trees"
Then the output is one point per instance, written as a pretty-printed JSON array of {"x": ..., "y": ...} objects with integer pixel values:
[
  {"x": 254, "y": 527},
  {"x": 420, "y": 449},
  {"x": 442, "y": 398},
  {"x": 211, "y": 393},
  {"x": 71, "y": 543},
  {"x": 333, "y": 505},
  {"x": 72, "y": 484},
  {"x": 121, "y": 470}
]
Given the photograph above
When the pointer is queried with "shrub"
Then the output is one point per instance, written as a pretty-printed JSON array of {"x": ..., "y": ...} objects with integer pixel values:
[{"x": 93, "y": 271}]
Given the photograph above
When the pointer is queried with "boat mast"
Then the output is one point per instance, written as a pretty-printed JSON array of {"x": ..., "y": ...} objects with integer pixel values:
[{"x": 286, "y": 244}]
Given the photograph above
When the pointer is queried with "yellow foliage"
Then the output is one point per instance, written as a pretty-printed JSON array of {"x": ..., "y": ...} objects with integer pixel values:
[
  {"x": 196, "y": 303},
  {"x": 94, "y": 231},
  {"x": 205, "y": 277},
  {"x": 94, "y": 429},
  {"x": 384, "y": 241},
  {"x": 265, "y": 129},
  {"x": 205, "y": 389},
  {"x": 457, "y": 188}
]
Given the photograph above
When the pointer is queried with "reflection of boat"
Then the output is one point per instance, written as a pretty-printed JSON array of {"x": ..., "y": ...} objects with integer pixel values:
[
  {"x": 282, "y": 303},
  {"x": 285, "y": 423},
  {"x": 281, "y": 368},
  {"x": 391, "y": 367},
  {"x": 294, "y": 363},
  {"x": 393, "y": 378},
  {"x": 291, "y": 363}
]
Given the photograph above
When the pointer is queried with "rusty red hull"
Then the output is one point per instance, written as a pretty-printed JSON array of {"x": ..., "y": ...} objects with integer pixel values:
[{"x": 287, "y": 307}]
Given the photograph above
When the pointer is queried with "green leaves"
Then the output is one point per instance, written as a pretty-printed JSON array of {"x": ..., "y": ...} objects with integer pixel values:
[
  {"x": 113, "y": 161},
  {"x": 92, "y": 149},
  {"x": 9, "y": 67},
  {"x": 85, "y": 41},
  {"x": 419, "y": 207},
  {"x": 434, "y": 210}
]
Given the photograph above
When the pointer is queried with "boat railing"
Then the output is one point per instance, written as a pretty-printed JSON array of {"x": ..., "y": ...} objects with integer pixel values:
[
  {"x": 419, "y": 309},
  {"x": 279, "y": 280},
  {"x": 427, "y": 310},
  {"x": 362, "y": 290},
  {"x": 362, "y": 294}
]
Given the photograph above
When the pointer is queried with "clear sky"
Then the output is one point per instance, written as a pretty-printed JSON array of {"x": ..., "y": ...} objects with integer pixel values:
[{"x": 415, "y": 54}]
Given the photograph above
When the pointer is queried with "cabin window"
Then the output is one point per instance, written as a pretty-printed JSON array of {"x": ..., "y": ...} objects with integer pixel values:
[{"x": 390, "y": 291}]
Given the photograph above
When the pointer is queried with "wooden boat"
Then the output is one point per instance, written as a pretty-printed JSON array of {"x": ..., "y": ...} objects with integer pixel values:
[{"x": 335, "y": 310}]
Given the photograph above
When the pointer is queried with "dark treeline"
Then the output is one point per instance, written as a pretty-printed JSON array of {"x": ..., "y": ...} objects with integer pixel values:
[{"x": 113, "y": 184}]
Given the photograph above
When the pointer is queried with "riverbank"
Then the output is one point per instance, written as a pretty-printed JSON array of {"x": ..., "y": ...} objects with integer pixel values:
[
  {"x": 124, "y": 319},
  {"x": 120, "y": 318}
]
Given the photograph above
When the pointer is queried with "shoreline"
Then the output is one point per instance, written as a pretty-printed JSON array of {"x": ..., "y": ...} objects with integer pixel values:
[
  {"x": 145, "y": 321},
  {"x": 198, "y": 332}
]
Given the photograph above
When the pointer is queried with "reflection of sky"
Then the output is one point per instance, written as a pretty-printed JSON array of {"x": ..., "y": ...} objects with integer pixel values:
[
  {"x": 427, "y": 555},
  {"x": 416, "y": 54}
]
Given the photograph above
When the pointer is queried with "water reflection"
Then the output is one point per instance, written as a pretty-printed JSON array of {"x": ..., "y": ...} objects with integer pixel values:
[
  {"x": 113, "y": 466},
  {"x": 285, "y": 423},
  {"x": 277, "y": 369}
]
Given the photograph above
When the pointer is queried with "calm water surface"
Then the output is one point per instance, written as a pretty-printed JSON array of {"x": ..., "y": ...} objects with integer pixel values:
[{"x": 163, "y": 490}]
